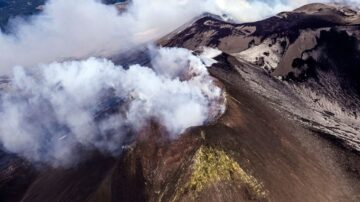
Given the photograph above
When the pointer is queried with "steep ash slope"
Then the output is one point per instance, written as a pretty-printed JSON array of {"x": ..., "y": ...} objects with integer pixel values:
[{"x": 278, "y": 160}]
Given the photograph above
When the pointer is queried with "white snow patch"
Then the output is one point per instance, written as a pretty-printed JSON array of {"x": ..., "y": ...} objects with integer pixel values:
[
  {"x": 208, "y": 54},
  {"x": 267, "y": 54}
]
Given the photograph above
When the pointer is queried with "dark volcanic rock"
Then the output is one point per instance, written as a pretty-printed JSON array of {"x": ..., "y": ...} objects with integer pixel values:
[
  {"x": 314, "y": 50},
  {"x": 16, "y": 175}
]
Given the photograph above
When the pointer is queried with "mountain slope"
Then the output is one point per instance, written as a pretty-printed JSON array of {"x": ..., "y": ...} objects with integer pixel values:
[
  {"x": 313, "y": 51},
  {"x": 252, "y": 152},
  {"x": 290, "y": 131}
]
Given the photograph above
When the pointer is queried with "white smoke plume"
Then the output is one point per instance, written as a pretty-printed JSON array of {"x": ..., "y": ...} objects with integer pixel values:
[
  {"x": 68, "y": 29},
  {"x": 51, "y": 113}
]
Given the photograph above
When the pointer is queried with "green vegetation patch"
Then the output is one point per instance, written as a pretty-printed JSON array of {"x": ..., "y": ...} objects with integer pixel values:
[{"x": 211, "y": 166}]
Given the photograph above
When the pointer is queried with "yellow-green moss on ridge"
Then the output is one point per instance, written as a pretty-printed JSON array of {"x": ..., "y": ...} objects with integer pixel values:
[{"x": 211, "y": 166}]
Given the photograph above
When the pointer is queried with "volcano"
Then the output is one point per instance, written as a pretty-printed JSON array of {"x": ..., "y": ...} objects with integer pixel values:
[{"x": 290, "y": 132}]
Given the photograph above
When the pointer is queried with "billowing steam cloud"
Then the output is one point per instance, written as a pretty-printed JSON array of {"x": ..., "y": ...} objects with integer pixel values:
[
  {"x": 54, "y": 111},
  {"x": 78, "y": 29}
]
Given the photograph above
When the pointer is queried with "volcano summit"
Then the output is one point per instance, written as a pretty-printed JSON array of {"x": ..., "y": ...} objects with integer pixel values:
[{"x": 181, "y": 101}]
